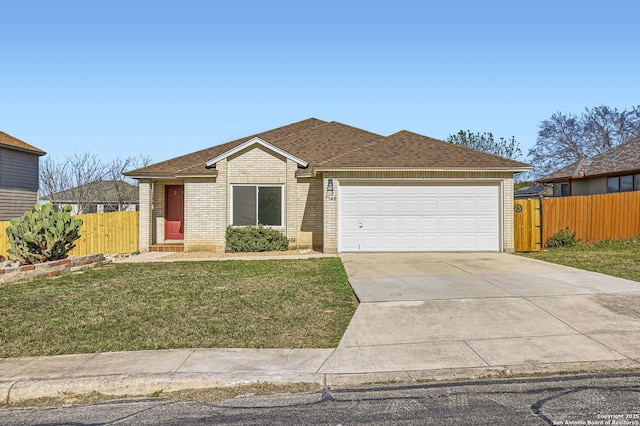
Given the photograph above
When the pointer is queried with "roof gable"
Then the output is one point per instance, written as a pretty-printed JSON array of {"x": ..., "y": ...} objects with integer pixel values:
[
  {"x": 11, "y": 142},
  {"x": 617, "y": 160},
  {"x": 193, "y": 164},
  {"x": 251, "y": 142}
]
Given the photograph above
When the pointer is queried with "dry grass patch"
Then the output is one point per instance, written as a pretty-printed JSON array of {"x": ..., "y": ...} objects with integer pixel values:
[{"x": 124, "y": 307}]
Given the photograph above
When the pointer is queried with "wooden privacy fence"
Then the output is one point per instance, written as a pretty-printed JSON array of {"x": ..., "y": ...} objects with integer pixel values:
[
  {"x": 594, "y": 218},
  {"x": 107, "y": 233}
]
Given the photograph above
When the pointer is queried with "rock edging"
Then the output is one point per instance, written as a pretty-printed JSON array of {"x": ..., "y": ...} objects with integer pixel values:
[{"x": 56, "y": 267}]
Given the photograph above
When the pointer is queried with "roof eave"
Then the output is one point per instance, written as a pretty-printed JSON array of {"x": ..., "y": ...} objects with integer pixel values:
[
  {"x": 425, "y": 169},
  {"x": 39, "y": 153}
]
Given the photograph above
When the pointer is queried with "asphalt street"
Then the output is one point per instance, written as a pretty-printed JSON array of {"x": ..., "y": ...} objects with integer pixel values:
[{"x": 576, "y": 400}]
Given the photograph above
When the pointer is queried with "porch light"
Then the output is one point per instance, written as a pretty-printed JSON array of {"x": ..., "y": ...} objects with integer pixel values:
[{"x": 329, "y": 185}]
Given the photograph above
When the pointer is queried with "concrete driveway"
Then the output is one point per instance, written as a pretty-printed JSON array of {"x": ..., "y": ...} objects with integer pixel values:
[{"x": 422, "y": 312}]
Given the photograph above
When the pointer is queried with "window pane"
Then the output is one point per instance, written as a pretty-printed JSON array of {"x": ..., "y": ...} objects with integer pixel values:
[
  {"x": 244, "y": 205},
  {"x": 270, "y": 205},
  {"x": 613, "y": 184},
  {"x": 637, "y": 183},
  {"x": 626, "y": 183},
  {"x": 564, "y": 189}
]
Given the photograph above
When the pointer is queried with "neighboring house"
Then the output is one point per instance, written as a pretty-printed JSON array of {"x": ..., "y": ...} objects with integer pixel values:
[
  {"x": 335, "y": 187},
  {"x": 615, "y": 170},
  {"x": 534, "y": 191},
  {"x": 101, "y": 196},
  {"x": 19, "y": 176}
]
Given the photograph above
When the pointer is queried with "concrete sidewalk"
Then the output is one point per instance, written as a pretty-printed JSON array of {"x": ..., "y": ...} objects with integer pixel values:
[{"x": 422, "y": 317}]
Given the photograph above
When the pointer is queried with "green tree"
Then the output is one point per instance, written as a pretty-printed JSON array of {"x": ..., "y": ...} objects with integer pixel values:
[{"x": 486, "y": 142}]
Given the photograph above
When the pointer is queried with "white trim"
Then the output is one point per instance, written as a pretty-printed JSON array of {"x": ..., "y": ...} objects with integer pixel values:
[
  {"x": 254, "y": 141},
  {"x": 258, "y": 185}
]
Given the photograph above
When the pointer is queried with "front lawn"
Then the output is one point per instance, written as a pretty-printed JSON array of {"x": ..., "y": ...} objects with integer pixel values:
[
  {"x": 231, "y": 304},
  {"x": 620, "y": 258}
]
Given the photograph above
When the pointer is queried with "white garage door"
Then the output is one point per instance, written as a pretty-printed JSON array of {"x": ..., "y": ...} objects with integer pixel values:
[{"x": 418, "y": 217}]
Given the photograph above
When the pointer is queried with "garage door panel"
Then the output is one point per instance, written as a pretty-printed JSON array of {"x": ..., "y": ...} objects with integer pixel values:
[
  {"x": 428, "y": 242},
  {"x": 487, "y": 225},
  {"x": 468, "y": 206},
  {"x": 409, "y": 206},
  {"x": 428, "y": 207},
  {"x": 387, "y": 191},
  {"x": 369, "y": 224},
  {"x": 369, "y": 207},
  {"x": 468, "y": 225},
  {"x": 447, "y": 225},
  {"x": 486, "y": 206},
  {"x": 448, "y": 206},
  {"x": 408, "y": 191},
  {"x": 389, "y": 224},
  {"x": 408, "y": 225},
  {"x": 389, "y": 207},
  {"x": 419, "y": 217},
  {"x": 367, "y": 191}
]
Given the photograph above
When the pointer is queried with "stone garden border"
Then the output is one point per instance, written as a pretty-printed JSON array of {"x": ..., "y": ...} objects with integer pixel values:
[{"x": 56, "y": 267}]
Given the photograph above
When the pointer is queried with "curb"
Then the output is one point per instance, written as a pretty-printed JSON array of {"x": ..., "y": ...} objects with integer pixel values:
[{"x": 132, "y": 385}]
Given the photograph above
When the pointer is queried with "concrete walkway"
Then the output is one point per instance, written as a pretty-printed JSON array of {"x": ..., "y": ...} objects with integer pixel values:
[{"x": 422, "y": 317}]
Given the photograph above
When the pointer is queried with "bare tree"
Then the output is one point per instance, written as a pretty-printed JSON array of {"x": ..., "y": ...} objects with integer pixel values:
[
  {"x": 83, "y": 180},
  {"x": 122, "y": 186},
  {"x": 566, "y": 138}
]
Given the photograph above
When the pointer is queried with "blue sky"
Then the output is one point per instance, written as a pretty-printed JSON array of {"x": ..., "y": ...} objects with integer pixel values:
[{"x": 160, "y": 78}]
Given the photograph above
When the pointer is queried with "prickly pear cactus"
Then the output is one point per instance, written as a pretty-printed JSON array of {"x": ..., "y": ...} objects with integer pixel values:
[{"x": 42, "y": 234}]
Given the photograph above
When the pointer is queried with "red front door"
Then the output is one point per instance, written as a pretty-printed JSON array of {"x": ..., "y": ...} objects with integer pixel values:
[{"x": 174, "y": 212}]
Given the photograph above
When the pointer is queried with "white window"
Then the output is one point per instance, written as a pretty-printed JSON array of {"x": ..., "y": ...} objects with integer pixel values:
[{"x": 256, "y": 204}]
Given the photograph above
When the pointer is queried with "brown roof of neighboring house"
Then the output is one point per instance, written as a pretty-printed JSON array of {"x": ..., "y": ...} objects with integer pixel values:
[
  {"x": 331, "y": 144},
  {"x": 9, "y": 141},
  {"x": 99, "y": 192},
  {"x": 624, "y": 158}
]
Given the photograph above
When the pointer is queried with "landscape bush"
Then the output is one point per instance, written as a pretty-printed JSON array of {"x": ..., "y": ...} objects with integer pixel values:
[
  {"x": 563, "y": 239},
  {"x": 255, "y": 239}
]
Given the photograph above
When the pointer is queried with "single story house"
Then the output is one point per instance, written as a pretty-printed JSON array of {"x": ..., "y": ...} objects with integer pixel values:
[
  {"x": 19, "y": 176},
  {"x": 101, "y": 196},
  {"x": 615, "y": 170},
  {"x": 334, "y": 187},
  {"x": 534, "y": 191}
]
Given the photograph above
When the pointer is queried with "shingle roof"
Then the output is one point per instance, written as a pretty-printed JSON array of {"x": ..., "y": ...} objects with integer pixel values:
[
  {"x": 103, "y": 192},
  {"x": 193, "y": 164},
  {"x": 332, "y": 144},
  {"x": 624, "y": 158},
  {"x": 15, "y": 143},
  {"x": 412, "y": 150}
]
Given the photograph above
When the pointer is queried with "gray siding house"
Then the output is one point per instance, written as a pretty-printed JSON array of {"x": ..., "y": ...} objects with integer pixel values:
[{"x": 19, "y": 176}]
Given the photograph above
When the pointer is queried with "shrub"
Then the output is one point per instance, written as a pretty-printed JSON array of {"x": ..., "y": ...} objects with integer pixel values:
[
  {"x": 563, "y": 239},
  {"x": 252, "y": 239},
  {"x": 42, "y": 234}
]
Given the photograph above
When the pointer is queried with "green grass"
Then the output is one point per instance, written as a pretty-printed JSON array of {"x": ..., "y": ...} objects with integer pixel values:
[
  {"x": 619, "y": 258},
  {"x": 124, "y": 307}
]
